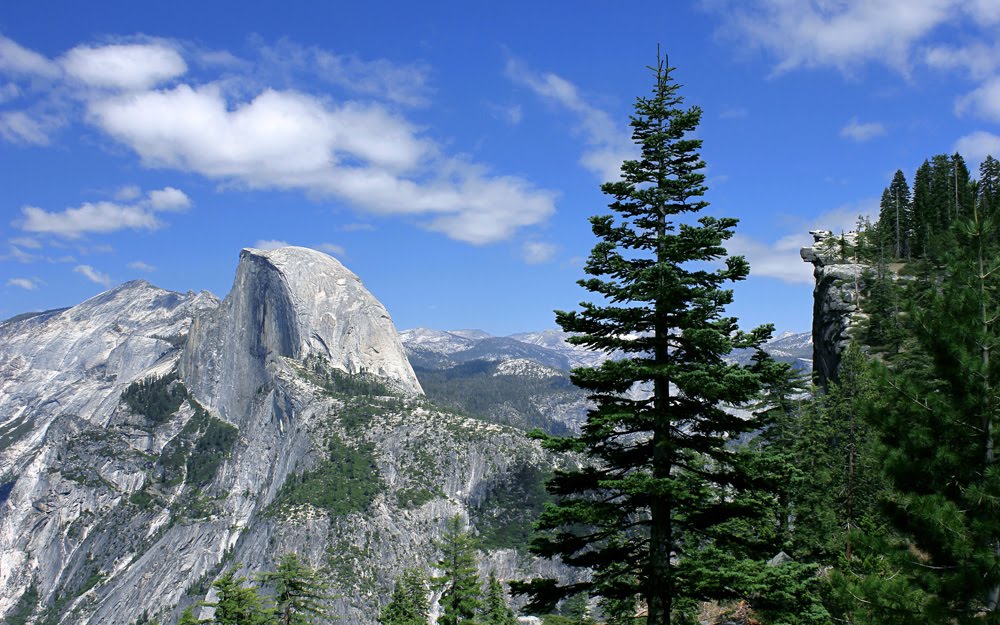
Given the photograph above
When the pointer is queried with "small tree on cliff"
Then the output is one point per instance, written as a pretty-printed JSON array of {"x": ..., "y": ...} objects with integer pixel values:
[
  {"x": 642, "y": 514},
  {"x": 461, "y": 591}
]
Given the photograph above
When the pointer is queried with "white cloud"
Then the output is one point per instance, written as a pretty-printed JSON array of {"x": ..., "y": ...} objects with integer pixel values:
[
  {"x": 28, "y": 242},
  {"x": 99, "y": 217},
  {"x": 608, "y": 143},
  {"x": 169, "y": 199},
  {"x": 17, "y": 59},
  {"x": 232, "y": 130},
  {"x": 983, "y": 102},
  {"x": 781, "y": 260},
  {"x": 977, "y": 58},
  {"x": 124, "y": 66},
  {"x": 269, "y": 244},
  {"x": 8, "y": 92},
  {"x": 985, "y": 12},
  {"x": 537, "y": 252},
  {"x": 138, "y": 265},
  {"x": 104, "y": 217},
  {"x": 735, "y": 112},
  {"x": 399, "y": 83},
  {"x": 128, "y": 192},
  {"x": 841, "y": 33},
  {"x": 510, "y": 114},
  {"x": 977, "y": 146},
  {"x": 27, "y": 128},
  {"x": 93, "y": 275},
  {"x": 860, "y": 132},
  {"x": 332, "y": 249},
  {"x": 23, "y": 283},
  {"x": 361, "y": 153}
]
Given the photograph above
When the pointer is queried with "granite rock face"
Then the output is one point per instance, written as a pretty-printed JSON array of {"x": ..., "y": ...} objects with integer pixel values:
[
  {"x": 113, "y": 508},
  {"x": 836, "y": 300}
]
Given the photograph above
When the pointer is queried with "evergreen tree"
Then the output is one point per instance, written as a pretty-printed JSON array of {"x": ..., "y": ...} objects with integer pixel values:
[
  {"x": 495, "y": 610},
  {"x": 894, "y": 223},
  {"x": 660, "y": 484},
  {"x": 988, "y": 193},
  {"x": 923, "y": 215},
  {"x": 409, "y": 604},
  {"x": 459, "y": 580},
  {"x": 300, "y": 592},
  {"x": 188, "y": 617},
  {"x": 961, "y": 187},
  {"x": 935, "y": 409},
  {"x": 238, "y": 604}
]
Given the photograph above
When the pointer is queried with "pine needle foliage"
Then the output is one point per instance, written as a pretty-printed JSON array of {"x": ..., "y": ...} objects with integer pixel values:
[
  {"x": 301, "y": 595},
  {"x": 937, "y": 412},
  {"x": 661, "y": 474}
]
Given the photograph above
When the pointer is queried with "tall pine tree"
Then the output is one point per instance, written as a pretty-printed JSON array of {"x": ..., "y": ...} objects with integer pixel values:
[
  {"x": 646, "y": 510},
  {"x": 459, "y": 581}
]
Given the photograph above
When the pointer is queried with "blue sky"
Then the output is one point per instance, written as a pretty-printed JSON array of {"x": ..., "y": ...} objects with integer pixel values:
[{"x": 449, "y": 153}]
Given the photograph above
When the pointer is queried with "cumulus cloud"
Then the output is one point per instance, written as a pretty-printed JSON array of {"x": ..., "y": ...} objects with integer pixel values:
[
  {"x": 332, "y": 249},
  {"x": 270, "y": 244},
  {"x": 860, "y": 132},
  {"x": 361, "y": 153},
  {"x": 537, "y": 252},
  {"x": 608, "y": 142},
  {"x": 780, "y": 259},
  {"x": 17, "y": 59},
  {"x": 138, "y": 265},
  {"x": 103, "y": 217},
  {"x": 982, "y": 102},
  {"x": 169, "y": 199},
  {"x": 23, "y": 283},
  {"x": 975, "y": 147},
  {"x": 124, "y": 66},
  {"x": 366, "y": 154},
  {"x": 93, "y": 275}
]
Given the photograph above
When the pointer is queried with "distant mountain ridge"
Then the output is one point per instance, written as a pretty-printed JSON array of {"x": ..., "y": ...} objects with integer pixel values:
[{"x": 523, "y": 379}]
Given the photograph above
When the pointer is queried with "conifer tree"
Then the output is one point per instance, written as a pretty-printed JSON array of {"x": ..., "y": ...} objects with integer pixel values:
[
  {"x": 936, "y": 410},
  {"x": 409, "y": 603},
  {"x": 188, "y": 617},
  {"x": 300, "y": 592},
  {"x": 495, "y": 610},
  {"x": 239, "y": 604},
  {"x": 988, "y": 192},
  {"x": 459, "y": 581},
  {"x": 644, "y": 512},
  {"x": 923, "y": 214}
]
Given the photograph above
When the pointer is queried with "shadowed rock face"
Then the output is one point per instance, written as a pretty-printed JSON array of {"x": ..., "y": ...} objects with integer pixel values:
[
  {"x": 112, "y": 512},
  {"x": 836, "y": 301},
  {"x": 290, "y": 302}
]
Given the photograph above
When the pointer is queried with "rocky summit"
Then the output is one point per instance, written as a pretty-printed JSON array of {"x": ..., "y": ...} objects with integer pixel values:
[{"x": 151, "y": 439}]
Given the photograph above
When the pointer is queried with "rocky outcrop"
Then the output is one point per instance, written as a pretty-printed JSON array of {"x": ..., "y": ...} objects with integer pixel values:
[
  {"x": 112, "y": 508},
  {"x": 836, "y": 299}
]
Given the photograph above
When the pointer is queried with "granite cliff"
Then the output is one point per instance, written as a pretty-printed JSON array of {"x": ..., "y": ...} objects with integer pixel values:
[{"x": 149, "y": 439}]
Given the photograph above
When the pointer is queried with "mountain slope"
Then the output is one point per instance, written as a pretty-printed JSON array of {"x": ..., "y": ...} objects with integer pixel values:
[{"x": 150, "y": 439}]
